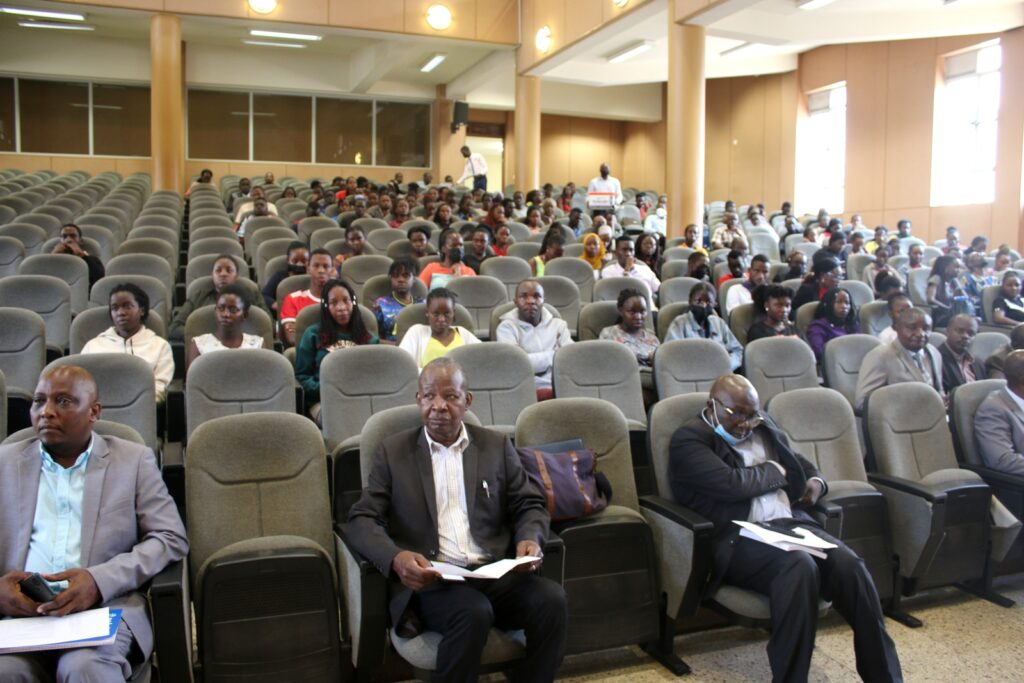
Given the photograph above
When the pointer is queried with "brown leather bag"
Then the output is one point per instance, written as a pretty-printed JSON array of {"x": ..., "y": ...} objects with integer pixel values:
[{"x": 568, "y": 481}]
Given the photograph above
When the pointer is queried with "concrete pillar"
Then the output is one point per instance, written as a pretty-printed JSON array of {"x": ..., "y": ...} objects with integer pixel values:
[
  {"x": 527, "y": 132},
  {"x": 684, "y": 159},
  {"x": 167, "y": 116}
]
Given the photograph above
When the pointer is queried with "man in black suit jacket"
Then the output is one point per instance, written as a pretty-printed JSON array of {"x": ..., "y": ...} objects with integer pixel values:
[
  {"x": 457, "y": 493},
  {"x": 958, "y": 365},
  {"x": 733, "y": 463}
]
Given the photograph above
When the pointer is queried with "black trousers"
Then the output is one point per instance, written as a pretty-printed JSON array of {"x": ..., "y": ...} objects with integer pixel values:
[
  {"x": 794, "y": 582},
  {"x": 480, "y": 182},
  {"x": 463, "y": 613}
]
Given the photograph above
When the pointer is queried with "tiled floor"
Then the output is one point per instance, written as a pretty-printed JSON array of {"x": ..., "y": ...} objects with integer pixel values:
[{"x": 963, "y": 638}]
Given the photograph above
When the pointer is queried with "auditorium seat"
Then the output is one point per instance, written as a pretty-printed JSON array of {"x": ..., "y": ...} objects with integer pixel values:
[
  {"x": 510, "y": 271},
  {"x": 66, "y": 267},
  {"x": 46, "y": 295},
  {"x": 22, "y": 357},
  {"x": 30, "y": 236},
  {"x": 502, "y": 381},
  {"x": 562, "y": 293},
  {"x": 169, "y": 235},
  {"x": 675, "y": 289},
  {"x": 840, "y": 365},
  {"x": 685, "y": 366},
  {"x": 804, "y": 317},
  {"x": 608, "y": 289},
  {"x": 356, "y": 270},
  {"x": 380, "y": 285},
  {"x": 417, "y": 314},
  {"x": 874, "y": 318},
  {"x": 12, "y": 253},
  {"x": 50, "y": 224},
  {"x": 254, "y": 239},
  {"x": 777, "y": 364},
  {"x": 577, "y": 270},
  {"x": 215, "y": 245},
  {"x": 197, "y": 234},
  {"x": 740, "y": 319},
  {"x": 480, "y": 295},
  {"x": 202, "y": 266}
]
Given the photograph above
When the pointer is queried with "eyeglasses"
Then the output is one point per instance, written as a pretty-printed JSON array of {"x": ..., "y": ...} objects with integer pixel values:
[{"x": 753, "y": 419}]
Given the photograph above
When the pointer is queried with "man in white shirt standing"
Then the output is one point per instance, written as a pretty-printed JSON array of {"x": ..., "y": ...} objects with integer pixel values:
[
  {"x": 476, "y": 168},
  {"x": 626, "y": 265},
  {"x": 604, "y": 184}
]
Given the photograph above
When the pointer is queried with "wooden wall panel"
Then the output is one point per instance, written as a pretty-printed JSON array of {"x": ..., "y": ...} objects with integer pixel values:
[
  {"x": 822, "y": 67},
  {"x": 866, "y": 115},
  {"x": 908, "y": 139},
  {"x": 497, "y": 21},
  {"x": 718, "y": 138},
  {"x": 379, "y": 15},
  {"x": 747, "y": 153},
  {"x": 581, "y": 17},
  {"x": 789, "y": 101},
  {"x": 555, "y": 147}
]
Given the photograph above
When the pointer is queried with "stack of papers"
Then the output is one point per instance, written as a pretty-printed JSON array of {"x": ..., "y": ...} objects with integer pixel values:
[
  {"x": 90, "y": 628},
  {"x": 495, "y": 570},
  {"x": 795, "y": 538}
]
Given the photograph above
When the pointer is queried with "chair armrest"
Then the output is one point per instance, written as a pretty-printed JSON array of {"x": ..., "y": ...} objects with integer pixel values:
[
  {"x": 830, "y": 516},
  {"x": 178, "y": 352},
  {"x": 170, "y": 606},
  {"x": 678, "y": 514},
  {"x": 996, "y": 478},
  {"x": 554, "y": 558},
  {"x": 929, "y": 493},
  {"x": 365, "y": 605},
  {"x": 683, "y": 541}
]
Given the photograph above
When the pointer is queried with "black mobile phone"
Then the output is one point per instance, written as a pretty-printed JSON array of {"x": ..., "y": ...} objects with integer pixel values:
[{"x": 36, "y": 588}]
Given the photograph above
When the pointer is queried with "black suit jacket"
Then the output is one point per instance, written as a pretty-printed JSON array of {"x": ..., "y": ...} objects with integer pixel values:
[
  {"x": 398, "y": 508},
  {"x": 952, "y": 375},
  {"x": 707, "y": 475}
]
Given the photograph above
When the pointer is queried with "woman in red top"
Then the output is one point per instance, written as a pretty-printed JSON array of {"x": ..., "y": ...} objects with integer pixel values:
[
  {"x": 502, "y": 241},
  {"x": 565, "y": 199}
]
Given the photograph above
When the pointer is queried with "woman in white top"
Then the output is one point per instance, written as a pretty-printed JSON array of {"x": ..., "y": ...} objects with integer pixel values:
[
  {"x": 232, "y": 308},
  {"x": 129, "y": 309},
  {"x": 427, "y": 342}
]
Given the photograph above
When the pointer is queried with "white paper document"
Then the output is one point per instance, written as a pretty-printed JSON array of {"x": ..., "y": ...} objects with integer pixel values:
[
  {"x": 37, "y": 633},
  {"x": 802, "y": 539},
  {"x": 495, "y": 570}
]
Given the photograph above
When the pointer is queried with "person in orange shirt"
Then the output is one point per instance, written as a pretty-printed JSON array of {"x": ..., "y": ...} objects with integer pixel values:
[{"x": 439, "y": 274}]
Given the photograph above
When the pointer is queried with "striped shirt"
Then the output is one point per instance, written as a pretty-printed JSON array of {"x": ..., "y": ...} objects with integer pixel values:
[{"x": 455, "y": 541}]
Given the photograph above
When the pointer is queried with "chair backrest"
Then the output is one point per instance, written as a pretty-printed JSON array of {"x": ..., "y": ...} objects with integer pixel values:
[
  {"x": 675, "y": 290},
  {"x": 31, "y": 236},
  {"x": 684, "y": 366},
  {"x": 842, "y": 360},
  {"x": 204, "y": 320},
  {"x": 91, "y": 322},
  {"x": 22, "y": 348},
  {"x": 238, "y": 381},
  {"x": 596, "y": 316},
  {"x": 673, "y": 269},
  {"x": 577, "y": 270},
  {"x": 829, "y": 440},
  {"x": 67, "y": 267},
  {"x": 127, "y": 390},
  {"x": 564, "y": 295},
  {"x": 987, "y": 343},
  {"x": 601, "y": 426},
  {"x": 766, "y": 244},
  {"x": 380, "y": 240},
  {"x": 380, "y": 285},
  {"x": 267, "y": 234},
  {"x": 964, "y": 402},
  {"x": 907, "y": 432},
  {"x": 102, "y": 427},
  {"x": 510, "y": 271},
  {"x": 310, "y": 315},
  {"x": 50, "y": 224},
  {"x": 150, "y": 245},
  {"x": 257, "y": 475},
  {"x": 323, "y": 236},
  {"x": 361, "y": 381},
  {"x": 874, "y": 318},
  {"x": 989, "y": 294},
  {"x": 860, "y": 293},
  {"x": 855, "y": 265},
  {"x": 12, "y": 253},
  {"x": 156, "y": 232},
  {"x": 666, "y": 417},
  {"x": 740, "y": 320},
  {"x": 777, "y": 364},
  {"x": 608, "y": 288},
  {"x": 202, "y": 266},
  {"x": 202, "y": 219},
  {"x": 501, "y": 379},
  {"x": 267, "y": 251},
  {"x": 210, "y": 231},
  {"x": 804, "y": 317},
  {"x": 416, "y": 314},
  {"x": 480, "y": 295},
  {"x": 312, "y": 224},
  {"x": 358, "y": 269},
  {"x": 48, "y": 296},
  {"x": 678, "y": 253},
  {"x": 524, "y": 250},
  {"x": 600, "y": 369},
  {"x": 215, "y": 245}
]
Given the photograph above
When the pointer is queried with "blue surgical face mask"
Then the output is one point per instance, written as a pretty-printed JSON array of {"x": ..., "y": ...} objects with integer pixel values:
[{"x": 721, "y": 431}]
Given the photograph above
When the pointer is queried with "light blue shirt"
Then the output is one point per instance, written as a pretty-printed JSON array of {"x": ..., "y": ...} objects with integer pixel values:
[{"x": 56, "y": 542}]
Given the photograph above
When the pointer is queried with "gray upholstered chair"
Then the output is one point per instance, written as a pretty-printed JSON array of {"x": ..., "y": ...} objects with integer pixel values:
[
  {"x": 841, "y": 363},
  {"x": 380, "y": 240},
  {"x": 601, "y": 369},
  {"x": 46, "y": 295},
  {"x": 740, "y": 320},
  {"x": 874, "y": 318},
  {"x": 667, "y": 314},
  {"x": 577, "y": 270},
  {"x": 414, "y": 314},
  {"x": 127, "y": 391},
  {"x": 685, "y": 366},
  {"x": 608, "y": 288},
  {"x": 30, "y": 236},
  {"x": 168, "y": 235},
  {"x": 312, "y": 224},
  {"x": 22, "y": 356},
  {"x": 804, "y": 317},
  {"x": 202, "y": 266},
  {"x": 855, "y": 265},
  {"x": 562, "y": 293},
  {"x": 151, "y": 245},
  {"x": 67, "y": 267},
  {"x": 102, "y": 427},
  {"x": 380, "y": 285},
  {"x": 358, "y": 269},
  {"x": 12, "y": 253},
  {"x": 501, "y": 379},
  {"x": 676, "y": 290},
  {"x": 911, "y": 452},
  {"x": 504, "y": 308},
  {"x": 215, "y": 245},
  {"x": 860, "y": 293},
  {"x": 777, "y": 364},
  {"x": 596, "y": 316},
  {"x": 323, "y": 236},
  {"x": 987, "y": 343},
  {"x": 480, "y": 295},
  {"x": 259, "y": 237},
  {"x": 235, "y": 382},
  {"x": 616, "y": 547},
  {"x": 204, "y": 319},
  {"x": 267, "y": 251},
  {"x": 511, "y": 271}
]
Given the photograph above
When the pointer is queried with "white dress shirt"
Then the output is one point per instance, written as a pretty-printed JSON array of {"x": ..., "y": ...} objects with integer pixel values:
[
  {"x": 475, "y": 165},
  {"x": 455, "y": 541},
  {"x": 771, "y": 505},
  {"x": 737, "y": 296},
  {"x": 609, "y": 184},
  {"x": 640, "y": 270}
]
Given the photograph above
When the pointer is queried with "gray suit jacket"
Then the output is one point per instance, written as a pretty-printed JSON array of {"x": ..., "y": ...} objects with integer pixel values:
[
  {"x": 999, "y": 433},
  {"x": 890, "y": 364},
  {"x": 131, "y": 529},
  {"x": 398, "y": 508}
]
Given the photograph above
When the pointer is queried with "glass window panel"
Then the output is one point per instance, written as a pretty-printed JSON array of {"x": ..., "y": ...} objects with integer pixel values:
[
  {"x": 403, "y": 134},
  {"x": 120, "y": 120},
  {"x": 344, "y": 131},
  {"x": 990, "y": 58},
  {"x": 54, "y": 117},
  {"x": 218, "y": 125},
  {"x": 988, "y": 97},
  {"x": 7, "y": 131},
  {"x": 281, "y": 127}
]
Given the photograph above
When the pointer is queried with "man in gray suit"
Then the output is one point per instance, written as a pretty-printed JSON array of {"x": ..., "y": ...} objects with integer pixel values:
[
  {"x": 459, "y": 494},
  {"x": 908, "y": 359},
  {"x": 93, "y": 517},
  {"x": 999, "y": 422}
]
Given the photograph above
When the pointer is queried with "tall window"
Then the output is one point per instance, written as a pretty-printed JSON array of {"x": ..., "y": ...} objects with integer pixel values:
[
  {"x": 966, "y": 124},
  {"x": 824, "y": 150}
]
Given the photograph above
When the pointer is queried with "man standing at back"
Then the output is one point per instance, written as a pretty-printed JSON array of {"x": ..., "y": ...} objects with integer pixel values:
[
  {"x": 532, "y": 328},
  {"x": 458, "y": 494},
  {"x": 476, "y": 168},
  {"x": 91, "y": 514},
  {"x": 606, "y": 187}
]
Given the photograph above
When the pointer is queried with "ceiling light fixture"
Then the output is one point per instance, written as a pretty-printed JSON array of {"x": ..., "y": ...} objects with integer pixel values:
[
  {"x": 433, "y": 63},
  {"x": 439, "y": 17},
  {"x": 42, "y": 14},
  {"x": 814, "y": 4},
  {"x": 620, "y": 3},
  {"x": 630, "y": 51},
  {"x": 287, "y": 36},
  {"x": 735, "y": 48},
  {"x": 543, "y": 39},
  {"x": 61, "y": 27},
  {"x": 263, "y": 6},
  {"x": 267, "y": 43}
]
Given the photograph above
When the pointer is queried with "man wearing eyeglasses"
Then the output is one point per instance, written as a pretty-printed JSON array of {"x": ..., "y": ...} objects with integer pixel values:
[{"x": 731, "y": 462}]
